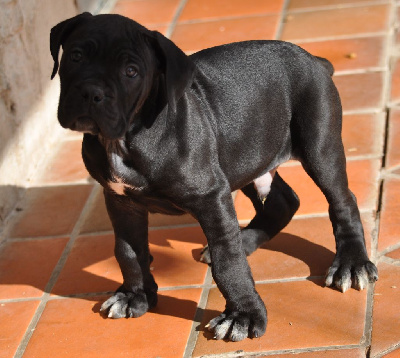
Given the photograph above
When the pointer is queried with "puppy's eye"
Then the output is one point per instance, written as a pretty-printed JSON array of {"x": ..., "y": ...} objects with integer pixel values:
[
  {"x": 76, "y": 56},
  {"x": 131, "y": 72}
]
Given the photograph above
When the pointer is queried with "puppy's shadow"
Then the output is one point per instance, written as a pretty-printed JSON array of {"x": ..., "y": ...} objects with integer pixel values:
[
  {"x": 317, "y": 257},
  {"x": 166, "y": 306}
]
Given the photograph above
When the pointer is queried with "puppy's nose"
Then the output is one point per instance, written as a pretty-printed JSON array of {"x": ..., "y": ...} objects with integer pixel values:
[{"x": 93, "y": 94}]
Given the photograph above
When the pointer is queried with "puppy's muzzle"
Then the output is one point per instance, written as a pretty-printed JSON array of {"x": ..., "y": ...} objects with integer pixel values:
[{"x": 91, "y": 107}]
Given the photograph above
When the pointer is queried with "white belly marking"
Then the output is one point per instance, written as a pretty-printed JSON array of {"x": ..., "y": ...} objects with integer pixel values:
[{"x": 118, "y": 186}]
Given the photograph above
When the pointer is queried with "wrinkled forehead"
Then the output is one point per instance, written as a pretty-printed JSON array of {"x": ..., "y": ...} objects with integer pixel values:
[{"x": 106, "y": 34}]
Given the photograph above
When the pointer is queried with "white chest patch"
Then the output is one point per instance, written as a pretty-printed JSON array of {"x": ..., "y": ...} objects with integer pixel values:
[
  {"x": 118, "y": 186},
  {"x": 263, "y": 184}
]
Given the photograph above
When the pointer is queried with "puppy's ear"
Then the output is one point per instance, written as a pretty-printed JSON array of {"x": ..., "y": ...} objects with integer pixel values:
[
  {"x": 59, "y": 34},
  {"x": 178, "y": 68}
]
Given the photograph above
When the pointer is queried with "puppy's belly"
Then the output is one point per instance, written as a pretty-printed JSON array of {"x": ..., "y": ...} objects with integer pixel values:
[{"x": 263, "y": 184}]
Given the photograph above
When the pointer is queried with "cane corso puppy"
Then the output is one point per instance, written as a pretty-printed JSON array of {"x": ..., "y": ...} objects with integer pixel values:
[{"x": 173, "y": 134}]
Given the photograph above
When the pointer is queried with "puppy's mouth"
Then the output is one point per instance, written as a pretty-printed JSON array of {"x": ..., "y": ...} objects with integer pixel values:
[{"x": 85, "y": 124}]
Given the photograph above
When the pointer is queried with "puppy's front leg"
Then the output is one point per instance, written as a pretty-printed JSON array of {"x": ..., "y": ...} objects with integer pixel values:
[
  {"x": 138, "y": 292},
  {"x": 245, "y": 314}
]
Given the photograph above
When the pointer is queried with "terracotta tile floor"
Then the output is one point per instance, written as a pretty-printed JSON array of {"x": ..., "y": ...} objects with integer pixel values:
[{"x": 56, "y": 259}]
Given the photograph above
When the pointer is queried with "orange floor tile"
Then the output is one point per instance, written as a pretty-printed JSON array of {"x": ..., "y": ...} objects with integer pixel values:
[
  {"x": 311, "y": 324},
  {"x": 56, "y": 260}
]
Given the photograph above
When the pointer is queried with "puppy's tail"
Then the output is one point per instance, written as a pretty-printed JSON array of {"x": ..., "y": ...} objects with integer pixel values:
[{"x": 324, "y": 62}]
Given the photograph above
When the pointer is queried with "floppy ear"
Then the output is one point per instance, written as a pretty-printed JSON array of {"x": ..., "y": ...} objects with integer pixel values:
[
  {"x": 60, "y": 32},
  {"x": 178, "y": 68}
]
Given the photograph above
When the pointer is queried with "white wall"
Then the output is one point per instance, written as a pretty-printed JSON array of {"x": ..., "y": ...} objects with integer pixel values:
[{"x": 28, "y": 99}]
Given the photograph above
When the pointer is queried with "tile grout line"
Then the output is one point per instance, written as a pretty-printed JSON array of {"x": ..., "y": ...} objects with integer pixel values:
[
  {"x": 360, "y": 71},
  {"x": 387, "y": 171},
  {"x": 359, "y": 36},
  {"x": 368, "y": 327},
  {"x": 289, "y": 280},
  {"x": 31, "y": 328},
  {"x": 367, "y": 336},
  {"x": 194, "y": 333},
  {"x": 281, "y": 21},
  {"x": 172, "y": 25},
  {"x": 376, "y": 110},
  {"x": 340, "y": 6},
  {"x": 388, "y": 175},
  {"x": 349, "y": 36},
  {"x": 389, "y": 249},
  {"x": 105, "y": 6},
  {"x": 277, "y": 353},
  {"x": 354, "y": 158},
  {"x": 55, "y": 274},
  {"x": 102, "y": 232},
  {"x": 20, "y": 299},
  {"x": 39, "y": 238},
  {"x": 228, "y": 18},
  {"x": 388, "y": 260},
  {"x": 387, "y": 351},
  {"x": 390, "y": 40}
]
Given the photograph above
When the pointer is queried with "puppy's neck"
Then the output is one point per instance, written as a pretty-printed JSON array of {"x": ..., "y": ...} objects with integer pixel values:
[{"x": 114, "y": 146}]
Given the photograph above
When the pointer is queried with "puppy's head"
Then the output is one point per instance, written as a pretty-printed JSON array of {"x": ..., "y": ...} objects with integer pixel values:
[{"x": 109, "y": 66}]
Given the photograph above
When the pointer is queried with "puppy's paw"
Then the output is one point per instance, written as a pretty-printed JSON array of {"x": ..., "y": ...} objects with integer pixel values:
[
  {"x": 236, "y": 326},
  {"x": 205, "y": 255},
  {"x": 344, "y": 274},
  {"x": 126, "y": 304}
]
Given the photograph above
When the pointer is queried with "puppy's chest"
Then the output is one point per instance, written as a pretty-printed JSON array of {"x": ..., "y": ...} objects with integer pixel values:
[
  {"x": 124, "y": 179},
  {"x": 119, "y": 186}
]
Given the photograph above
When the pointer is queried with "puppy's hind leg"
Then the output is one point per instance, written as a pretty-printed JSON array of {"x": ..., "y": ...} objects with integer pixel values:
[
  {"x": 318, "y": 145},
  {"x": 271, "y": 217}
]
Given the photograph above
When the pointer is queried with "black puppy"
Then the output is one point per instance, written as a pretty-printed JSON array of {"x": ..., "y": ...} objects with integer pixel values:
[{"x": 169, "y": 133}]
